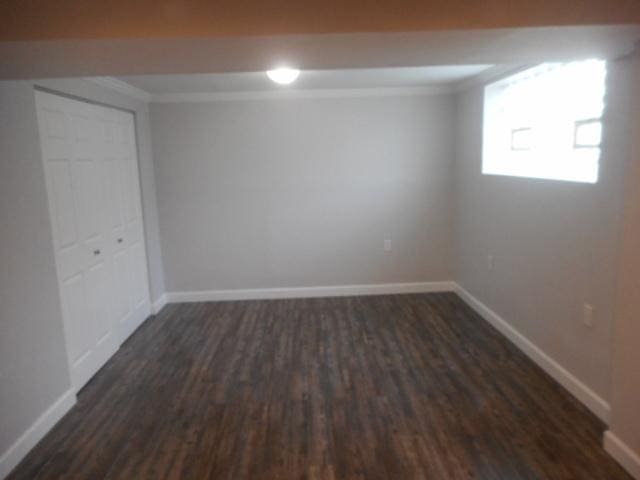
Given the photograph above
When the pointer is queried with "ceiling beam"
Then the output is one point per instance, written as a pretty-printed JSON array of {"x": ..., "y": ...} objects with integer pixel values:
[
  {"x": 90, "y": 58},
  {"x": 25, "y": 20}
]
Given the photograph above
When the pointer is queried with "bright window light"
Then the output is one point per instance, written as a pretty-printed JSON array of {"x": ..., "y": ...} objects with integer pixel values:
[
  {"x": 283, "y": 76},
  {"x": 546, "y": 122}
]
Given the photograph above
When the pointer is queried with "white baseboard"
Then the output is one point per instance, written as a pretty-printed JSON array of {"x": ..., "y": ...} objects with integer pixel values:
[
  {"x": 578, "y": 389},
  {"x": 36, "y": 432},
  {"x": 158, "y": 304},
  {"x": 310, "y": 292},
  {"x": 621, "y": 452}
]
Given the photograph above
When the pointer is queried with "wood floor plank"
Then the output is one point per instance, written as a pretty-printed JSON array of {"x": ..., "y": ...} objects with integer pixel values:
[{"x": 381, "y": 387}]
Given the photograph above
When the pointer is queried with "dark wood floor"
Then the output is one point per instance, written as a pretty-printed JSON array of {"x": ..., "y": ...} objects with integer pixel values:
[{"x": 391, "y": 387}]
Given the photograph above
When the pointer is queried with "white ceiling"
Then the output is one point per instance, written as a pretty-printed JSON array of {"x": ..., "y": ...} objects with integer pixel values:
[
  {"x": 308, "y": 80},
  {"x": 71, "y": 58}
]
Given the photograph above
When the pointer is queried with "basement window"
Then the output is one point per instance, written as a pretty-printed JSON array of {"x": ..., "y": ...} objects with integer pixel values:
[{"x": 546, "y": 122}]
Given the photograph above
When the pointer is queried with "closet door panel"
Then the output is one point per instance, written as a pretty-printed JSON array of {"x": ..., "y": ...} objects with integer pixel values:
[
  {"x": 64, "y": 222},
  {"x": 93, "y": 192},
  {"x": 137, "y": 263},
  {"x": 99, "y": 307},
  {"x": 122, "y": 282},
  {"x": 88, "y": 182},
  {"x": 115, "y": 180},
  {"x": 74, "y": 310},
  {"x": 133, "y": 225},
  {"x": 63, "y": 178}
]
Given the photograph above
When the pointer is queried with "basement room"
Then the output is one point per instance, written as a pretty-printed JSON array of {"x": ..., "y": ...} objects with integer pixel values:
[{"x": 300, "y": 240}]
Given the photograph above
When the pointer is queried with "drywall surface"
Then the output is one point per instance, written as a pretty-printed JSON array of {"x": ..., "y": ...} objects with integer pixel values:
[
  {"x": 553, "y": 243},
  {"x": 145, "y": 56},
  {"x": 303, "y": 192},
  {"x": 625, "y": 400},
  {"x": 33, "y": 362}
]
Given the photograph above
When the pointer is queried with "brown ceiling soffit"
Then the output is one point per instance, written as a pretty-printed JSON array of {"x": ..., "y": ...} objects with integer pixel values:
[{"x": 22, "y": 20}]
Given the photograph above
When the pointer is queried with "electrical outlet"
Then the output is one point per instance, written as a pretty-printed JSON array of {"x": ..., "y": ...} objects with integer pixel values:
[
  {"x": 587, "y": 315},
  {"x": 387, "y": 244}
]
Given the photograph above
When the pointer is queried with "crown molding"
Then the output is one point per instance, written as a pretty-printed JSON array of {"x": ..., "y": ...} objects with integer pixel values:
[
  {"x": 489, "y": 75},
  {"x": 121, "y": 87},
  {"x": 293, "y": 94},
  {"x": 139, "y": 94}
]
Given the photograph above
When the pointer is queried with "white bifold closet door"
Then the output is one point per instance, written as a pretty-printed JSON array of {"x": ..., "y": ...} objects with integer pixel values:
[{"x": 91, "y": 166}]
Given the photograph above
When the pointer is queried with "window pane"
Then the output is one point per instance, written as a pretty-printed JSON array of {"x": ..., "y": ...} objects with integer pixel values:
[
  {"x": 521, "y": 139},
  {"x": 535, "y": 122},
  {"x": 588, "y": 133}
]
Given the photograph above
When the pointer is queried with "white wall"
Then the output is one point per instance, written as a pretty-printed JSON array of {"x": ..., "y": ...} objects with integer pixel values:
[
  {"x": 623, "y": 438},
  {"x": 33, "y": 364},
  {"x": 302, "y": 192},
  {"x": 554, "y": 242}
]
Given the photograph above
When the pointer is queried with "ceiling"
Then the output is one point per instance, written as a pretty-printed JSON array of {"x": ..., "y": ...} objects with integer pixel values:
[
  {"x": 308, "y": 80},
  {"x": 28, "y": 20},
  {"x": 122, "y": 57}
]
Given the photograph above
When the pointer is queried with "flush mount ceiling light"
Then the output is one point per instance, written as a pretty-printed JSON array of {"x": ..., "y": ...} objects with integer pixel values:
[{"x": 283, "y": 76}]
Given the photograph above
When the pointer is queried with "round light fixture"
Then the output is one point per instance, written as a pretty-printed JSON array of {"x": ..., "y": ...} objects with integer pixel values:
[{"x": 283, "y": 76}]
